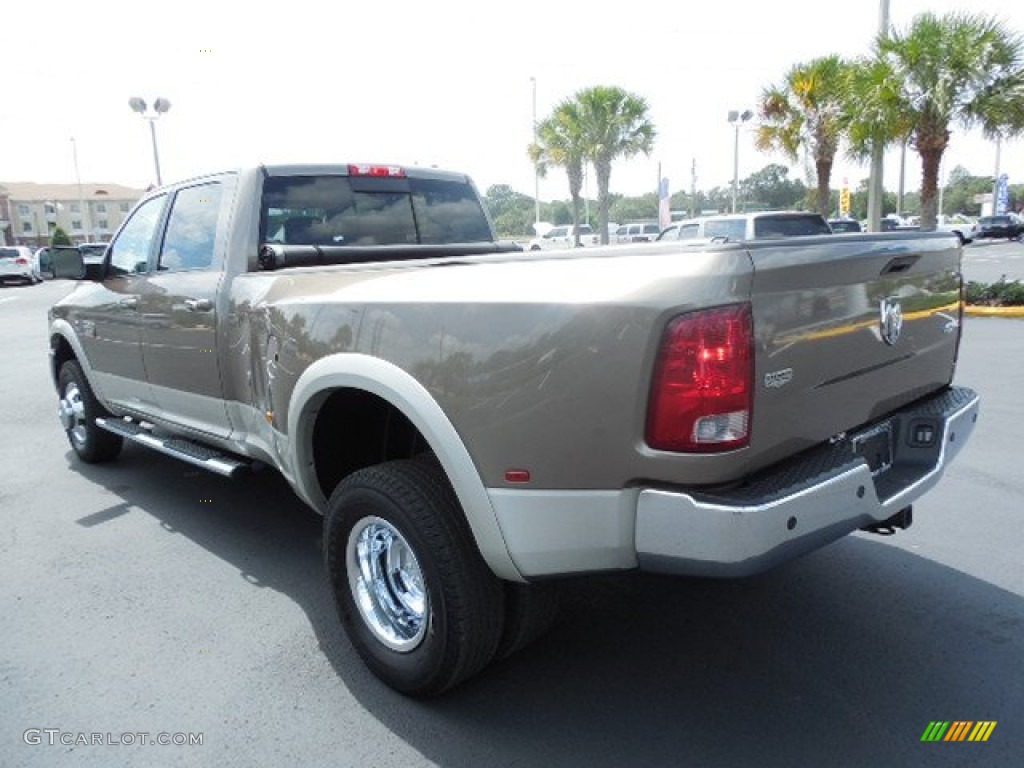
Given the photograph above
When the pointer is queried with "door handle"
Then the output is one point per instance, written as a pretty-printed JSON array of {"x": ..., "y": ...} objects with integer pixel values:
[
  {"x": 198, "y": 305},
  {"x": 132, "y": 302}
]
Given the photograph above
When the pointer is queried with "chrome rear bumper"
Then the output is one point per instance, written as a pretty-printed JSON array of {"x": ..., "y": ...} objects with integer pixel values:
[{"x": 825, "y": 494}]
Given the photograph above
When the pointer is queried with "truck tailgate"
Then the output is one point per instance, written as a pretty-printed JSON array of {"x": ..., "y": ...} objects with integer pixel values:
[{"x": 849, "y": 331}]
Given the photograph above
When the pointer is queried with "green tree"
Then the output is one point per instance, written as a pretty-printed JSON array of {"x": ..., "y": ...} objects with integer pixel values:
[
  {"x": 560, "y": 212},
  {"x": 615, "y": 125},
  {"x": 960, "y": 191},
  {"x": 771, "y": 188},
  {"x": 60, "y": 237},
  {"x": 511, "y": 211},
  {"x": 859, "y": 201},
  {"x": 957, "y": 68},
  {"x": 625, "y": 209},
  {"x": 561, "y": 142},
  {"x": 804, "y": 112}
]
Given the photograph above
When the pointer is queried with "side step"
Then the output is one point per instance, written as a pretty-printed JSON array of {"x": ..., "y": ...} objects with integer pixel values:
[{"x": 188, "y": 451}]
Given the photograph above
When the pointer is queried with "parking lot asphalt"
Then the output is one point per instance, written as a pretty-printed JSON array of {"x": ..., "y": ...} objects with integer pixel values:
[{"x": 146, "y": 597}]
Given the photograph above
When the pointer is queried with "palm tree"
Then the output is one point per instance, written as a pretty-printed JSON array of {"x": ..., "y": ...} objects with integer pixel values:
[
  {"x": 615, "y": 125},
  {"x": 803, "y": 112},
  {"x": 958, "y": 68},
  {"x": 560, "y": 142}
]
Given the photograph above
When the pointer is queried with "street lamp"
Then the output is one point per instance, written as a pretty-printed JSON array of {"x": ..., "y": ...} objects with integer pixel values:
[
  {"x": 159, "y": 107},
  {"x": 737, "y": 118},
  {"x": 536, "y": 169}
]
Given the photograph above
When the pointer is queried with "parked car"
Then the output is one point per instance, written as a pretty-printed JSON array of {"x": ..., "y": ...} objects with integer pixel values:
[
  {"x": 957, "y": 224},
  {"x": 16, "y": 263},
  {"x": 893, "y": 223},
  {"x": 669, "y": 233},
  {"x": 1008, "y": 225},
  {"x": 751, "y": 226},
  {"x": 841, "y": 226},
  {"x": 562, "y": 237},
  {"x": 638, "y": 232}
]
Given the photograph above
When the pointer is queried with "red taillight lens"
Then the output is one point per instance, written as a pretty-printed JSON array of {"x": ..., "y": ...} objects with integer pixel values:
[
  {"x": 376, "y": 170},
  {"x": 21, "y": 260},
  {"x": 702, "y": 391}
]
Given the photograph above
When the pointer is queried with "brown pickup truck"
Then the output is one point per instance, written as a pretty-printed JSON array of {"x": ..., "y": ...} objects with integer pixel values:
[{"x": 473, "y": 421}]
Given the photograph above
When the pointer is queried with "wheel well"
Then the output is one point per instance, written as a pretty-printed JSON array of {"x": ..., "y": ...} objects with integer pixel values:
[
  {"x": 356, "y": 429},
  {"x": 62, "y": 352}
]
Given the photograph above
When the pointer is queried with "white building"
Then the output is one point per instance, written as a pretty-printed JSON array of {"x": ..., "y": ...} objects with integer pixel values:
[{"x": 29, "y": 212}]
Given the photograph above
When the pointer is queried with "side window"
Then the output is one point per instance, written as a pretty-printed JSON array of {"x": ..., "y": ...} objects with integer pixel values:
[
  {"x": 191, "y": 229},
  {"x": 734, "y": 229},
  {"x": 687, "y": 231},
  {"x": 129, "y": 253}
]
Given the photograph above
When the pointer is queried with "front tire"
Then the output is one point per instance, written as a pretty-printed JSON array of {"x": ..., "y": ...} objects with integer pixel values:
[
  {"x": 417, "y": 601},
  {"x": 78, "y": 410}
]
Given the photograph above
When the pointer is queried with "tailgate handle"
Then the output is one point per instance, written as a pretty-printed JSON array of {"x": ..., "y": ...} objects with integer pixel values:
[{"x": 900, "y": 264}]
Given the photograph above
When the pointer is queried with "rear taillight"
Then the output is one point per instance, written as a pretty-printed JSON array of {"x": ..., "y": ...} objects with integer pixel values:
[
  {"x": 701, "y": 395},
  {"x": 21, "y": 260}
]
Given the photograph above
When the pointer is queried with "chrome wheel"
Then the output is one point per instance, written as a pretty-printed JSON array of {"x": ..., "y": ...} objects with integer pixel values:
[
  {"x": 71, "y": 411},
  {"x": 387, "y": 584}
]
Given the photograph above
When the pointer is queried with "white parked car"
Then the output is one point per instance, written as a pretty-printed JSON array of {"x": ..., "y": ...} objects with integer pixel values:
[
  {"x": 637, "y": 232},
  {"x": 749, "y": 226},
  {"x": 17, "y": 263},
  {"x": 958, "y": 224},
  {"x": 562, "y": 237}
]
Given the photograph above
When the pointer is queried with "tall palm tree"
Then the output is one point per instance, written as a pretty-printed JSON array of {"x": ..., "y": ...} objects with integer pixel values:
[
  {"x": 615, "y": 125},
  {"x": 803, "y": 112},
  {"x": 959, "y": 68},
  {"x": 561, "y": 142}
]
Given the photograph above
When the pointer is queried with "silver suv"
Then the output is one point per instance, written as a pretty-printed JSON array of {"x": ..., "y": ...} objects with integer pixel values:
[
  {"x": 752, "y": 226},
  {"x": 638, "y": 232}
]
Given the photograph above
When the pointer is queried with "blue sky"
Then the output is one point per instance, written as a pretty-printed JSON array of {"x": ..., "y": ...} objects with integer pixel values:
[{"x": 445, "y": 84}]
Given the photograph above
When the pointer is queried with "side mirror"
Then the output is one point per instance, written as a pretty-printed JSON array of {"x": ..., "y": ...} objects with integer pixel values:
[{"x": 67, "y": 263}]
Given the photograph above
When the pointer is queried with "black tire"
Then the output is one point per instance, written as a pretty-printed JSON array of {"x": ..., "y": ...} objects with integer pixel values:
[
  {"x": 464, "y": 607},
  {"x": 530, "y": 610},
  {"x": 79, "y": 410}
]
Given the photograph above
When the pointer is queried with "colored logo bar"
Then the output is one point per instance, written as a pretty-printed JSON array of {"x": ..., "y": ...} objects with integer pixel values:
[{"x": 958, "y": 730}]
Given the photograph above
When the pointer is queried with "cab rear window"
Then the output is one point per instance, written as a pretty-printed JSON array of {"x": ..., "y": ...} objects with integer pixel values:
[{"x": 361, "y": 211}]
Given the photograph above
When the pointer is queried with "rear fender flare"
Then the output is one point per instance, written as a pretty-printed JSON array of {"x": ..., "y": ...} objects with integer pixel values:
[{"x": 401, "y": 390}]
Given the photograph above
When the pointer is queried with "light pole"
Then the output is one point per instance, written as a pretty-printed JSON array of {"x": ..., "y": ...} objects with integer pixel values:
[
  {"x": 160, "y": 106},
  {"x": 737, "y": 118},
  {"x": 876, "y": 190},
  {"x": 536, "y": 170},
  {"x": 996, "y": 183},
  {"x": 86, "y": 228}
]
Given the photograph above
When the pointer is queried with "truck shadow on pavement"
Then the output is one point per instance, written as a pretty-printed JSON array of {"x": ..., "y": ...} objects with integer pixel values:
[{"x": 841, "y": 658}]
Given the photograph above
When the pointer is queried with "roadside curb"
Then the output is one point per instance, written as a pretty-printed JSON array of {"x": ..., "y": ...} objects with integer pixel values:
[{"x": 980, "y": 311}]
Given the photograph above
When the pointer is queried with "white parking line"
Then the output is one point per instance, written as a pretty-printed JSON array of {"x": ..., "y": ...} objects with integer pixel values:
[{"x": 8, "y": 298}]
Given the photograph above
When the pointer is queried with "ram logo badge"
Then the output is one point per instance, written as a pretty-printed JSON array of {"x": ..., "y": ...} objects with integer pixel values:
[
  {"x": 891, "y": 320},
  {"x": 777, "y": 379}
]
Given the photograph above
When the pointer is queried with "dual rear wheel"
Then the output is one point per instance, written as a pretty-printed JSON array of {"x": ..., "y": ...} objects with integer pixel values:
[{"x": 418, "y": 602}]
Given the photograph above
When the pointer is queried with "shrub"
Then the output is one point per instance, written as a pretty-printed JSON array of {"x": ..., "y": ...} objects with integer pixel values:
[{"x": 1002, "y": 293}]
